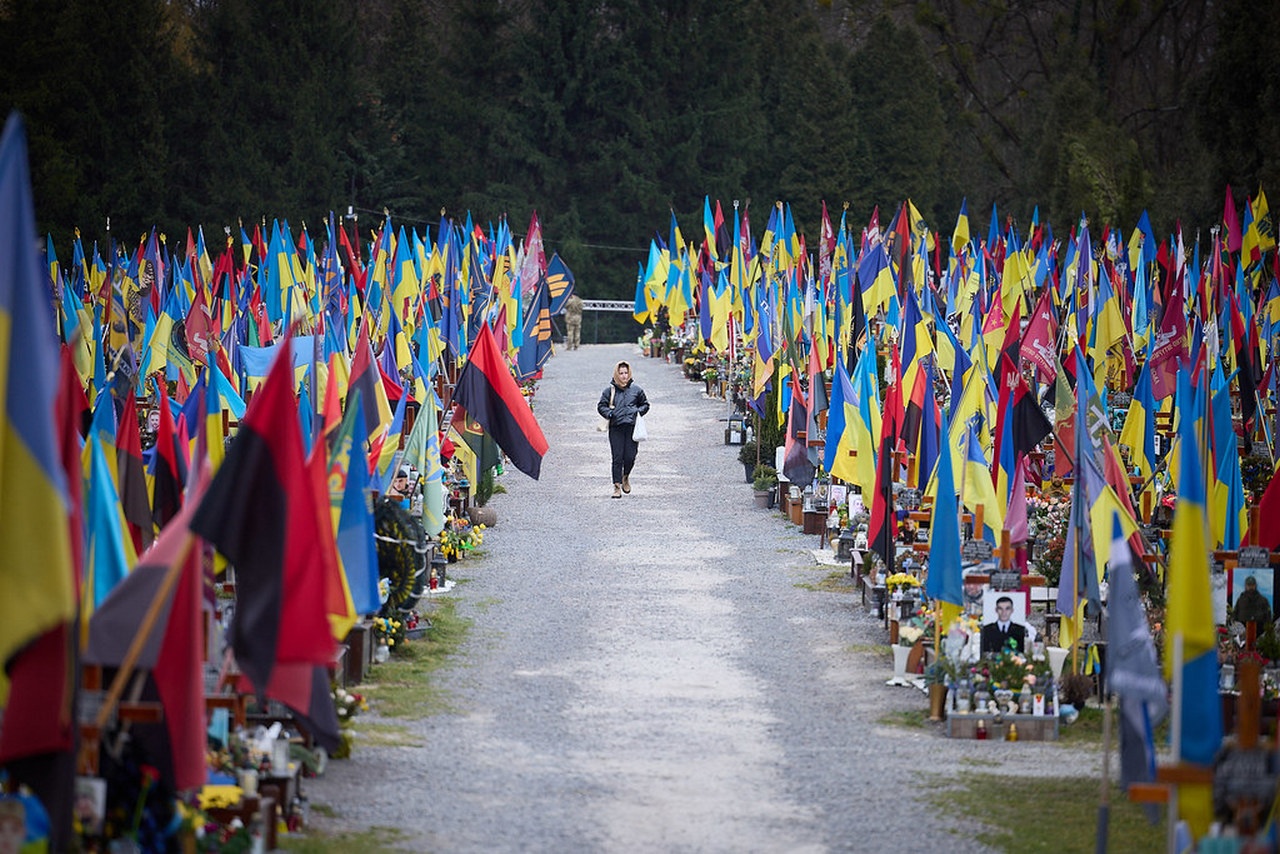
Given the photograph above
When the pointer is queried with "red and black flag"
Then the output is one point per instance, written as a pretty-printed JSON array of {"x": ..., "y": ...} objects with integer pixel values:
[
  {"x": 796, "y": 466},
  {"x": 1268, "y": 533},
  {"x": 169, "y": 578},
  {"x": 883, "y": 528},
  {"x": 171, "y": 466},
  {"x": 366, "y": 378},
  {"x": 1248, "y": 373},
  {"x": 489, "y": 393},
  {"x": 304, "y": 688},
  {"x": 261, "y": 514},
  {"x": 1030, "y": 425},
  {"x": 133, "y": 477}
]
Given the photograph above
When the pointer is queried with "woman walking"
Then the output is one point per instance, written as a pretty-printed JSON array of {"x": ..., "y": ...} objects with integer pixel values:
[{"x": 620, "y": 403}]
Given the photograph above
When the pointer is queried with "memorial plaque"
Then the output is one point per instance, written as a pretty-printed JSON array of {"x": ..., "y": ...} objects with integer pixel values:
[
  {"x": 975, "y": 551},
  {"x": 1006, "y": 580},
  {"x": 909, "y": 499},
  {"x": 1243, "y": 776},
  {"x": 1254, "y": 557}
]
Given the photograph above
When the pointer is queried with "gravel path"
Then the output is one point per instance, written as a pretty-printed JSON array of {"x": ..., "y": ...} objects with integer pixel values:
[{"x": 649, "y": 674}]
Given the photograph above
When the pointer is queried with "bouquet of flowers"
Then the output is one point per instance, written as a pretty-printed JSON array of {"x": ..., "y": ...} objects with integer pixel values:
[
  {"x": 388, "y": 630},
  {"x": 347, "y": 704},
  {"x": 1011, "y": 670},
  {"x": 920, "y": 625},
  {"x": 904, "y": 581},
  {"x": 1047, "y": 520},
  {"x": 460, "y": 536}
]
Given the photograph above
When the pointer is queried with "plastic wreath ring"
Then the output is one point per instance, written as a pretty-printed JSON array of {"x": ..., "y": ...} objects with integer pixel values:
[{"x": 401, "y": 546}]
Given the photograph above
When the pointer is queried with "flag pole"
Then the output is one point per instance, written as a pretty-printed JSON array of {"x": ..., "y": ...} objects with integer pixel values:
[
  {"x": 1104, "y": 803},
  {"x": 1175, "y": 738},
  {"x": 140, "y": 637}
]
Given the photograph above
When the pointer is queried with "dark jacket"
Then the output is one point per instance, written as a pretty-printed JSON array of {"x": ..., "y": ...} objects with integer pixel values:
[
  {"x": 993, "y": 641},
  {"x": 627, "y": 403}
]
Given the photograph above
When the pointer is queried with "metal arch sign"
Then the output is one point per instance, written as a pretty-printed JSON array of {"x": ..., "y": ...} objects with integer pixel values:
[{"x": 608, "y": 305}]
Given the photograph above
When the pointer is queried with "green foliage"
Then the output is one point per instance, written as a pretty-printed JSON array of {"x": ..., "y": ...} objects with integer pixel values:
[
  {"x": 405, "y": 686},
  {"x": 374, "y": 839},
  {"x": 484, "y": 489},
  {"x": 1269, "y": 644},
  {"x": 606, "y": 116},
  {"x": 764, "y": 477},
  {"x": 1067, "y": 807},
  {"x": 768, "y": 431}
]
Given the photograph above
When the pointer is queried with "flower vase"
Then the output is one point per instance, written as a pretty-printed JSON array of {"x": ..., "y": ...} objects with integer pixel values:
[
  {"x": 918, "y": 655},
  {"x": 937, "y": 701},
  {"x": 901, "y": 654}
]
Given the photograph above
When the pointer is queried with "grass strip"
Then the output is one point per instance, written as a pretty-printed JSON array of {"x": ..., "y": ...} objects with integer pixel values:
[
  {"x": 372, "y": 734},
  {"x": 314, "y": 842},
  {"x": 1042, "y": 814},
  {"x": 402, "y": 687}
]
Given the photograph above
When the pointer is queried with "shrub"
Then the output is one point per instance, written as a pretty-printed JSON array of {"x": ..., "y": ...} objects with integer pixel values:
[{"x": 764, "y": 477}]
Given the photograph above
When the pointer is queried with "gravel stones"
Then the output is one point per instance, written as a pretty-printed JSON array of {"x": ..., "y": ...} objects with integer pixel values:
[{"x": 649, "y": 674}]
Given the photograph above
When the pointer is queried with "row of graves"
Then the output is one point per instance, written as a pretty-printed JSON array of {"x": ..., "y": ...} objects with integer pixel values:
[
  {"x": 259, "y": 750},
  {"x": 1029, "y": 681}
]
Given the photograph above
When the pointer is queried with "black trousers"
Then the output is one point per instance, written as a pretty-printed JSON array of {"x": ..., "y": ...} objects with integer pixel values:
[{"x": 624, "y": 450}]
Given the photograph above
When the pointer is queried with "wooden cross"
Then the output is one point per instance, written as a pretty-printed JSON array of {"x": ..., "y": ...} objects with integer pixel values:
[
  {"x": 126, "y": 711},
  {"x": 1005, "y": 551}
]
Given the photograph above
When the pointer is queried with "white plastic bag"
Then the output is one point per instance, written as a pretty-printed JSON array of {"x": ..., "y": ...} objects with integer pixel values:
[{"x": 639, "y": 432}]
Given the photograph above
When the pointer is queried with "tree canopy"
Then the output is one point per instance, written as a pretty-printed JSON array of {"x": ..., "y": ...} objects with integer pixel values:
[{"x": 605, "y": 115}]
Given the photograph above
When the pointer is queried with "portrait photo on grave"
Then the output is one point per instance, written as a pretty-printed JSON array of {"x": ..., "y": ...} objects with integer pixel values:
[
  {"x": 1252, "y": 594},
  {"x": 1004, "y": 619}
]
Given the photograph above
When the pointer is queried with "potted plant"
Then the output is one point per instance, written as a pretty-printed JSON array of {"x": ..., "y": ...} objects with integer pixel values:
[
  {"x": 765, "y": 478},
  {"x": 747, "y": 456},
  {"x": 481, "y": 513}
]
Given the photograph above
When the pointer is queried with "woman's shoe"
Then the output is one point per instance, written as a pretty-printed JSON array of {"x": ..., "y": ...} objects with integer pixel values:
[
  {"x": 617, "y": 491},
  {"x": 626, "y": 484}
]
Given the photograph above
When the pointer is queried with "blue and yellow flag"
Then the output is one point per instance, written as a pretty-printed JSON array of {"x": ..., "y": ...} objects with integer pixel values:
[
  {"x": 351, "y": 514},
  {"x": 36, "y": 573},
  {"x": 945, "y": 580},
  {"x": 1189, "y": 623}
]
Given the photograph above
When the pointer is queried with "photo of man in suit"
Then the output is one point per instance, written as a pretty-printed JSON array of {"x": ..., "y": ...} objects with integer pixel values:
[{"x": 996, "y": 635}]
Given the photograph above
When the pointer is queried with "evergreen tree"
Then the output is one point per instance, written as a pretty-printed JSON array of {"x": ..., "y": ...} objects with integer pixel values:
[
  {"x": 279, "y": 108},
  {"x": 899, "y": 107}
]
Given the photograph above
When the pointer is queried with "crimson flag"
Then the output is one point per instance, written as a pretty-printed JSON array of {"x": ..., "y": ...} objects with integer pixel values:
[
  {"x": 173, "y": 650},
  {"x": 171, "y": 466},
  {"x": 490, "y": 394},
  {"x": 260, "y": 513},
  {"x": 133, "y": 477},
  {"x": 883, "y": 527}
]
